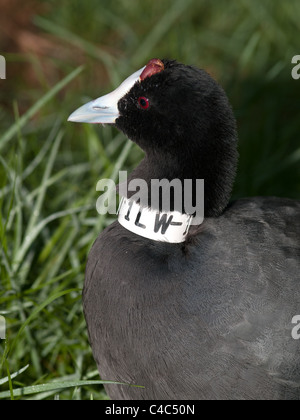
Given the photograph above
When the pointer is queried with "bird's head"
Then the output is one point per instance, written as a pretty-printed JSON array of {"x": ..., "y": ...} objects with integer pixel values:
[{"x": 181, "y": 117}]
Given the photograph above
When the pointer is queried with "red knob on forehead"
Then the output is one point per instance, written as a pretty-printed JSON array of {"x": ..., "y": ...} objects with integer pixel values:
[{"x": 154, "y": 66}]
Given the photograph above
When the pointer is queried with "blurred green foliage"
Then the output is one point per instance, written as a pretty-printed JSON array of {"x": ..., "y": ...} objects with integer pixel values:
[{"x": 49, "y": 168}]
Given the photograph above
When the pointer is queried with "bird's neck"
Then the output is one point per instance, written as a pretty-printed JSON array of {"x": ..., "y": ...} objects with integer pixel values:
[{"x": 216, "y": 165}]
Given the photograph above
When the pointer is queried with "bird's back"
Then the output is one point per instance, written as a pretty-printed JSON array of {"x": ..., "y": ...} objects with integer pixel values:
[{"x": 208, "y": 320}]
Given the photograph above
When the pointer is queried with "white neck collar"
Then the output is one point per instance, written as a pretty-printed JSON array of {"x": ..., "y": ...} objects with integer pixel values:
[{"x": 171, "y": 227}]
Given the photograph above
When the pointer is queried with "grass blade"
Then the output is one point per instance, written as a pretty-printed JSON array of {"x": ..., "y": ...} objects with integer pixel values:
[
  {"x": 54, "y": 386},
  {"x": 40, "y": 199},
  {"x": 78, "y": 42},
  {"x": 161, "y": 28},
  {"x": 13, "y": 375},
  {"x": 38, "y": 229},
  {"x": 14, "y": 129},
  {"x": 33, "y": 315}
]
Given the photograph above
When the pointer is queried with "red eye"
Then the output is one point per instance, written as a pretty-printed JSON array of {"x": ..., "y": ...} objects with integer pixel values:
[{"x": 143, "y": 102}]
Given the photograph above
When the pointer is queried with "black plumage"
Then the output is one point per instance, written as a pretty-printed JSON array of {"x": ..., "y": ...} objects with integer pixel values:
[
  {"x": 210, "y": 318},
  {"x": 189, "y": 131}
]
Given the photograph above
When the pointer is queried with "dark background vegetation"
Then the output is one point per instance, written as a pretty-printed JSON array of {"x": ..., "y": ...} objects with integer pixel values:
[{"x": 49, "y": 168}]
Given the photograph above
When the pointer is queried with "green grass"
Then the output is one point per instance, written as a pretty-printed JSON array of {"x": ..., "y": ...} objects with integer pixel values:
[{"x": 49, "y": 168}]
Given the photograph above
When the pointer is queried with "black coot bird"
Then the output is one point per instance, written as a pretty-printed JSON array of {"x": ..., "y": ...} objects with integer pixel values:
[{"x": 208, "y": 314}]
